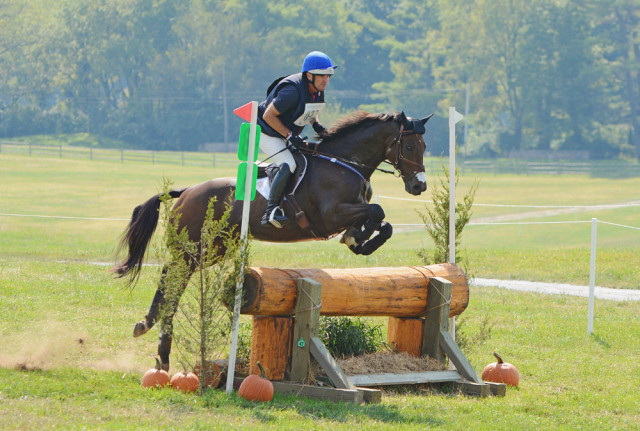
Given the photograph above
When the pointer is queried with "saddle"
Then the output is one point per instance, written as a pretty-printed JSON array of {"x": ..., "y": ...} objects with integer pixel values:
[{"x": 289, "y": 197}]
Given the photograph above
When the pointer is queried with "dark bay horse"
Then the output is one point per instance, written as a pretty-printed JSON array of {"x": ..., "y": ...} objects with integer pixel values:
[{"x": 334, "y": 194}]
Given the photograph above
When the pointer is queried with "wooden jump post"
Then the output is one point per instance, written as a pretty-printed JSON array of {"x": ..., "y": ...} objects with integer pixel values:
[{"x": 286, "y": 306}]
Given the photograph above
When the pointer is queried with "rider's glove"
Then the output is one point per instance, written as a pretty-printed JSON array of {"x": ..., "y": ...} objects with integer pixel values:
[
  {"x": 294, "y": 142},
  {"x": 319, "y": 129}
]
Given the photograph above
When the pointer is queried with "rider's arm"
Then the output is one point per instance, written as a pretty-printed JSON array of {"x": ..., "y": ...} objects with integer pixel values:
[
  {"x": 286, "y": 100},
  {"x": 272, "y": 117}
]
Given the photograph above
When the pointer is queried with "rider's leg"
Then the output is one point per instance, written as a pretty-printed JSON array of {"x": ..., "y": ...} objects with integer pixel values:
[
  {"x": 273, "y": 214},
  {"x": 275, "y": 149}
]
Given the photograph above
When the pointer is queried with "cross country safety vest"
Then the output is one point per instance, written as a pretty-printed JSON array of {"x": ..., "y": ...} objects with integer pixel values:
[{"x": 297, "y": 117}]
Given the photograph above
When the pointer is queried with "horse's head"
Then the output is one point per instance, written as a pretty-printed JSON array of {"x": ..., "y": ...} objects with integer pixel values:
[{"x": 406, "y": 153}]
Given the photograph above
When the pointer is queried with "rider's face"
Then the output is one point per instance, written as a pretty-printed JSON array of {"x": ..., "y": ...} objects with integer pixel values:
[{"x": 319, "y": 81}]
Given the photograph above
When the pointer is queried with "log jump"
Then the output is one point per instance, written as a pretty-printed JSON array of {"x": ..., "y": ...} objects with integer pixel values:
[
  {"x": 286, "y": 305},
  {"x": 392, "y": 291}
]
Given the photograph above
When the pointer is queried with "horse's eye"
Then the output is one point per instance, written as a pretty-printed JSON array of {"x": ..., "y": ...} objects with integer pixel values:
[{"x": 409, "y": 148}]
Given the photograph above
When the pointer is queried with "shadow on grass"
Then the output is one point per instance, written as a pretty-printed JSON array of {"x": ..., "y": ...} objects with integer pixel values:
[
  {"x": 598, "y": 339},
  {"x": 340, "y": 412}
]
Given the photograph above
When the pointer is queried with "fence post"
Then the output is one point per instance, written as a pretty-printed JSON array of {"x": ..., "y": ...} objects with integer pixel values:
[
  {"x": 592, "y": 273},
  {"x": 60, "y": 151},
  {"x": 122, "y": 156}
]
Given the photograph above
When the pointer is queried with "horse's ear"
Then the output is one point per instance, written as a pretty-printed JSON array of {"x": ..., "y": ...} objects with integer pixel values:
[
  {"x": 425, "y": 119},
  {"x": 402, "y": 118}
]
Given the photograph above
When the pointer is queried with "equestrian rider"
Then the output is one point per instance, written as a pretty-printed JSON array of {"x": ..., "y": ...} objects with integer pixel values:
[{"x": 291, "y": 103}]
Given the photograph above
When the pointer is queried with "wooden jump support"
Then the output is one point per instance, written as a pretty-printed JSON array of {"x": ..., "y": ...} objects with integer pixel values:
[{"x": 286, "y": 306}]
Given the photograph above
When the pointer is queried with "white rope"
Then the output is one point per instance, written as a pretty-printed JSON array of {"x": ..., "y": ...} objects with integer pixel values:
[
  {"x": 619, "y": 225},
  {"x": 64, "y": 217},
  {"x": 623, "y": 205}
]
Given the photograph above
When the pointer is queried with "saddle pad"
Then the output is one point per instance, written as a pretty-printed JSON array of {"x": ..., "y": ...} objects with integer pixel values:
[{"x": 263, "y": 187}]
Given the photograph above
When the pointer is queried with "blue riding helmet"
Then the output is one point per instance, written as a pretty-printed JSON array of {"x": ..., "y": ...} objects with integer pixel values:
[{"x": 318, "y": 63}]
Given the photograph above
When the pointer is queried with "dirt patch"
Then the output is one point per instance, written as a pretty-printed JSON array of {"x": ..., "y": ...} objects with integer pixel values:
[{"x": 45, "y": 347}]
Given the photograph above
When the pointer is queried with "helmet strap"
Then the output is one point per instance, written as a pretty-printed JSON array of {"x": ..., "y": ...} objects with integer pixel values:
[{"x": 313, "y": 81}]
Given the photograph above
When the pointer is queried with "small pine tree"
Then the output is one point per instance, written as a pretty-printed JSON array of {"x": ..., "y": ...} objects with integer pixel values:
[
  {"x": 436, "y": 221},
  {"x": 202, "y": 325}
]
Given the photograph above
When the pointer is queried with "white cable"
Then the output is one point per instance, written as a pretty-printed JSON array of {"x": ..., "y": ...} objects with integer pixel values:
[{"x": 65, "y": 217}]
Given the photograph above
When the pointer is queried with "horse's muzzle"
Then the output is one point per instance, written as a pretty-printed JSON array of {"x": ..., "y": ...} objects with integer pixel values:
[{"x": 416, "y": 184}]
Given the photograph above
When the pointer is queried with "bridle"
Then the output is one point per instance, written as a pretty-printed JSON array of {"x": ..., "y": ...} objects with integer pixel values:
[{"x": 399, "y": 158}]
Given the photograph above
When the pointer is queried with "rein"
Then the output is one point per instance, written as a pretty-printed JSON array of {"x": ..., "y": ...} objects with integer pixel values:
[{"x": 399, "y": 158}]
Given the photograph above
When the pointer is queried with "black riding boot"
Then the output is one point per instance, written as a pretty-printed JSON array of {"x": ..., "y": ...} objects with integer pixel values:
[{"x": 274, "y": 213}]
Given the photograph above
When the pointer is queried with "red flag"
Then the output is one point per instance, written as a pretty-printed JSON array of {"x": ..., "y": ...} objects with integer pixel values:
[{"x": 244, "y": 112}]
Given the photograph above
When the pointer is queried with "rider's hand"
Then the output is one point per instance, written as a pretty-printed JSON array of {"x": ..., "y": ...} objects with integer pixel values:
[
  {"x": 319, "y": 129},
  {"x": 295, "y": 141}
]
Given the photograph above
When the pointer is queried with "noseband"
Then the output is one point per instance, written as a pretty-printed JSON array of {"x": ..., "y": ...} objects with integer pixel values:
[{"x": 399, "y": 158}]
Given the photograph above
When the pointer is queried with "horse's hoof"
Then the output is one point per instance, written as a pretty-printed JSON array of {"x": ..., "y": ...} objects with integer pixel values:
[{"x": 141, "y": 328}]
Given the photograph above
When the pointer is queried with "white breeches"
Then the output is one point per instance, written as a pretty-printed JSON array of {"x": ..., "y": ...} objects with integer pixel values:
[{"x": 270, "y": 145}]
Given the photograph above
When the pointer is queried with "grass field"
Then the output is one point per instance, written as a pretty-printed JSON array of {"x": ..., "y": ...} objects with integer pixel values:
[{"x": 68, "y": 361}]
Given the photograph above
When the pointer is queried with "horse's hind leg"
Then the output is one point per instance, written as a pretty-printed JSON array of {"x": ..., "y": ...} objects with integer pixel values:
[
  {"x": 143, "y": 326},
  {"x": 167, "y": 313}
]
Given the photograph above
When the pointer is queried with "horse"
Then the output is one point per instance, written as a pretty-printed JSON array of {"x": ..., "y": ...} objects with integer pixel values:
[{"x": 333, "y": 196}]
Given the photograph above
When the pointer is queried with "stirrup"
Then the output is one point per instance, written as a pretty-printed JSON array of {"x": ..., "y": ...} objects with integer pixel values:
[{"x": 276, "y": 216}]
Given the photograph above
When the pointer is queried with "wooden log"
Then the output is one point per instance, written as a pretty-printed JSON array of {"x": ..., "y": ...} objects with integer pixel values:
[
  {"x": 387, "y": 291},
  {"x": 404, "y": 334},
  {"x": 271, "y": 345}
]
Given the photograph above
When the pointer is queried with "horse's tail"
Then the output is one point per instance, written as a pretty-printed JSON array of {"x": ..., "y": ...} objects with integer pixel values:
[{"x": 144, "y": 221}]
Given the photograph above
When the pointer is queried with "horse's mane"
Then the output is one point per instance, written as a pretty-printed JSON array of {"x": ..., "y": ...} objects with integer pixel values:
[{"x": 356, "y": 121}]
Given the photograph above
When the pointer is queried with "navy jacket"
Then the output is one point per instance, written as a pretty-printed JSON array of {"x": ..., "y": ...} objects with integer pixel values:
[{"x": 293, "y": 114}]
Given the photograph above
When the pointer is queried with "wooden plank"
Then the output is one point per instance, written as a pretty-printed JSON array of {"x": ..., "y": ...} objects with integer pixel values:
[
  {"x": 305, "y": 326},
  {"x": 497, "y": 389},
  {"x": 329, "y": 365},
  {"x": 405, "y": 378},
  {"x": 457, "y": 357},
  {"x": 474, "y": 389},
  {"x": 319, "y": 392},
  {"x": 370, "y": 396},
  {"x": 437, "y": 318}
]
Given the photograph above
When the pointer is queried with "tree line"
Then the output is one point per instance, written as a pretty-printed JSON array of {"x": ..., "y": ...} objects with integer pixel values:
[{"x": 166, "y": 74}]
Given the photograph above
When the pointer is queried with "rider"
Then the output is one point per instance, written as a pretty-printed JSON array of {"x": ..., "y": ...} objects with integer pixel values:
[{"x": 291, "y": 103}]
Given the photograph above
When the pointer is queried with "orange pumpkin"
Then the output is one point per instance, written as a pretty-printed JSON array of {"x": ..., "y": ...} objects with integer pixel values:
[
  {"x": 256, "y": 388},
  {"x": 186, "y": 382},
  {"x": 501, "y": 372},
  {"x": 155, "y": 377},
  {"x": 212, "y": 371}
]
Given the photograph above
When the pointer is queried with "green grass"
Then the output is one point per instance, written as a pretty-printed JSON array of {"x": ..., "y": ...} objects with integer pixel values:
[{"x": 68, "y": 361}]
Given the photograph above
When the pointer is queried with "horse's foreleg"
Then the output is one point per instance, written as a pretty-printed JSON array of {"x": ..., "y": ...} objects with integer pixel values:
[
  {"x": 385, "y": 230},
  {"x": 367, "y": 219}
]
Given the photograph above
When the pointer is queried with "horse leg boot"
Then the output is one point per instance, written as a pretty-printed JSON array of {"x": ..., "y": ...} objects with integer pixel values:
[
  {"x": 143, "y": 326},
  {"x": 366, "y": 248},
  {"x": 274, "y": 214}
]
